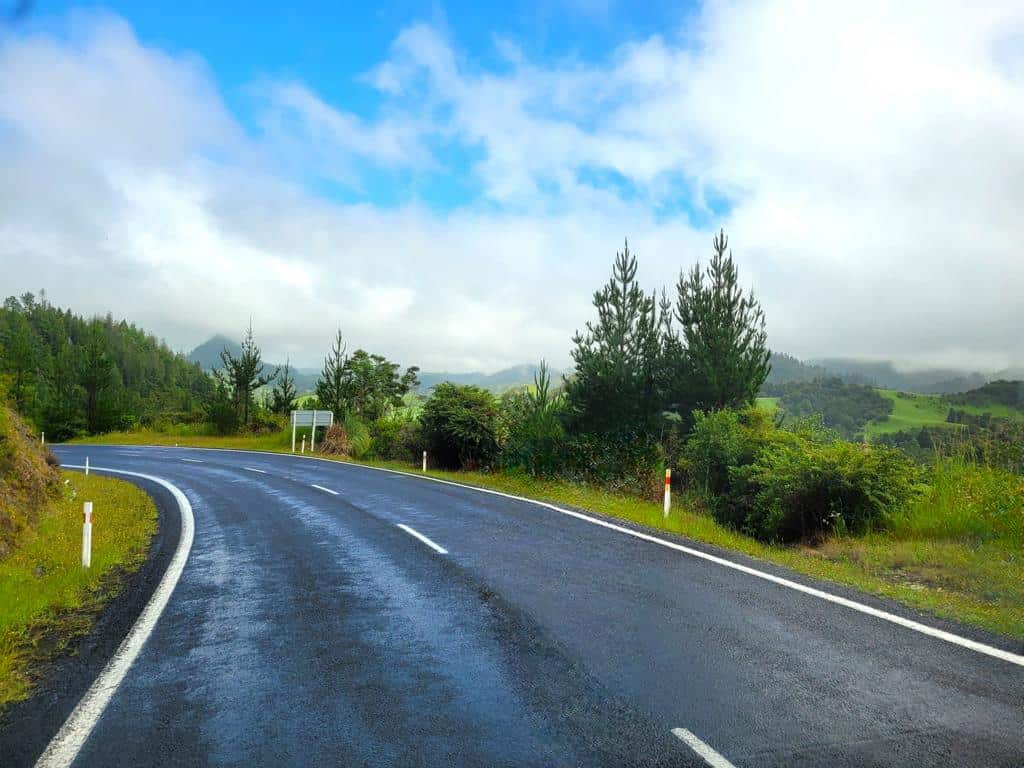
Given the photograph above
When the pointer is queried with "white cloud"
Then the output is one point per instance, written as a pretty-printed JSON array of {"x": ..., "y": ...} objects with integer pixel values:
[{"x": 871, "y": 157}]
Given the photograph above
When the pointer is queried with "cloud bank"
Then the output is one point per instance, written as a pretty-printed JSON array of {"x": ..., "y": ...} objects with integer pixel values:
[{"x": 867, "y": 163}]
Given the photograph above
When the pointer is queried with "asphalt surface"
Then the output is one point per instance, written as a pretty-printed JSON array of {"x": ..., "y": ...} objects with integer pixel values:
[{"x": 308, "y": 628}]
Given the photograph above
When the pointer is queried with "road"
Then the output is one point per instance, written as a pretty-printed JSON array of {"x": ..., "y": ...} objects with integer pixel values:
[{"x": 330, "y": 614}]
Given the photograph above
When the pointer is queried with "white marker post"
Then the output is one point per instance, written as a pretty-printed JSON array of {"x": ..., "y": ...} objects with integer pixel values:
[
  {"x": 86, "y": 466},
  {"x": 293, "y": 431},
  {"x": 87, "y": 534},
  {"x": 424, "y": 461},
  {"x": 42, "y": 438},
  {"x": 303, "y": 444},
  {"x": 668, "y": 491},
  {"x": 312, "y": 435}
]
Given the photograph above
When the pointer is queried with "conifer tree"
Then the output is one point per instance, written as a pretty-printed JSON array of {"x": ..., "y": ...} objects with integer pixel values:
[
  {"x": 722, "y": 355},
  {"x": 331, "y": 387},
  {"x": 245, "y": 373},
  {"x": 284, "y": 391},
  {"x": 618, "y": 357}
]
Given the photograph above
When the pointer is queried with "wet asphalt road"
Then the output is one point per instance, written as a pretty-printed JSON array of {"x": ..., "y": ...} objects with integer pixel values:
[{"x": 309, "y": 629}]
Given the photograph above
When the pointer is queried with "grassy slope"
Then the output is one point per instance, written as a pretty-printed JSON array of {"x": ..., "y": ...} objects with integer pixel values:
[
  {"x": 924, "y": 563},
  {"x": 46, "y": 598},
  {"x": 911, "y": 411}
]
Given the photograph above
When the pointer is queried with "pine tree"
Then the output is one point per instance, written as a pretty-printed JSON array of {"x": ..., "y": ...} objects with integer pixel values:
[
  {"x": 245, "y": 373},
  {"x": 331, "y": 387},
  {"x": 722, "y": 356},
  {"x": 284, "y": 392},
  {"x": 618, "y": 357},
  {"x": 96, "y": 372}
]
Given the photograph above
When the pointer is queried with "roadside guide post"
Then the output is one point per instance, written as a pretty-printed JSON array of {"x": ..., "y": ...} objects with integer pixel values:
[
  {"x": 668, "y": 491},
  {"x": 424, "y": 461},
  {"x": 87, "y": 534}
]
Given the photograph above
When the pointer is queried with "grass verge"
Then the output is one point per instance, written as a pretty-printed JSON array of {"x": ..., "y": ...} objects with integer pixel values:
[
  {"x": 47, "y": 600},
  {"x": 965, "y": 571}
]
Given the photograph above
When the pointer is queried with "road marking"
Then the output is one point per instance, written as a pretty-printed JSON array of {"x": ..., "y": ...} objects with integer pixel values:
[
  {"x": 193, "y": 461},
  {"x": 253, "y": 469},
  {"x": 915, "y": 626},
  {"x": 711, "y": 757},
  {"x": 437, "y": 548},
  {"x": 325, "y": 490},
  {"x": 64, "y": 747}
]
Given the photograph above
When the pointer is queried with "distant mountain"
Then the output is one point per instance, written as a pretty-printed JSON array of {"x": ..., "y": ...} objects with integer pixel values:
[
  {"x": 207, "y": 355},
  {"x": 886, "y": 375},
  {"x": 501, "y": 381}
]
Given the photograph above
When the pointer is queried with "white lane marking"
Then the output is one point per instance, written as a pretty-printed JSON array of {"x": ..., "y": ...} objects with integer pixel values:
[
  {"x": 916, "y": 626},
  {"x": 64, "y": 747},
  {"x": 253, "y": 469},
  {"x": 325, "y": 490},
  {"x": 193, "y": 461},
  {"x": 711, "y": 757},
  {"x": 437, "y": 548}
]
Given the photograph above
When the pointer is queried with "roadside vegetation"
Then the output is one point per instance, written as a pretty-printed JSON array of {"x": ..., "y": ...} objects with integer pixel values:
[
  {"x": 785, "y": 471},
  {"x": 47, "y": 599}
]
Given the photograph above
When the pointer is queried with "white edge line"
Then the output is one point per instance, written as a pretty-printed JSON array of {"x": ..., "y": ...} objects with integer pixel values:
[
  {"x": 916, "y": 626},
  {"x": 253, "y": 469},
  {"x": 64, "y": 747},
  {"x": 193, "y": 461},
  {"x": 436, "y": 547},
  {"x": 710, "y": 756},
  {"x": 325, "y": 490}
]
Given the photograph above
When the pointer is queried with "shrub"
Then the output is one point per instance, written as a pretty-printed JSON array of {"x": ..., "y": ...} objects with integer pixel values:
[
  {"x": 628, "y": 462},
  {"x": 530, "y": 422},
  {"x": 410, "y": 443},
  {"x": 459, "y": 425},
  {"x": 359, "y": 437},
  {"x": 798, "y": 490},
  {"x": 721, "y": 440}
]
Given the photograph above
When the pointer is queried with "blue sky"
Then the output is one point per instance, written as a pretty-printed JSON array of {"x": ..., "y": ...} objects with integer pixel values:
[{"x": 448, "y": 183}]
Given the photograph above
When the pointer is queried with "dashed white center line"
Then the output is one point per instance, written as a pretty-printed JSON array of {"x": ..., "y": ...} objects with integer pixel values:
[
  {"x": 325, "y": 490},
  {"x": 437, "y": 548},
  {"x": 193, "y": 461},
  {"x": 253, "y": 469},
  {"x": 710, "y": 756}
]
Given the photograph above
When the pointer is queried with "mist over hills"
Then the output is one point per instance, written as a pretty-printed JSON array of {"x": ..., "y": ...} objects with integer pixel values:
[{"x": 785, "y": 368}]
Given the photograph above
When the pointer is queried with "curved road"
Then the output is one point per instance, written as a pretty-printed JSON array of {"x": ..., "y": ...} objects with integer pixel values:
[{"x": 337, "y": 615}]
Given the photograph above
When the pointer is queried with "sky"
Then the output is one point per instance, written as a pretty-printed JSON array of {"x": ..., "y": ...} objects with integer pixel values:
[{"x": 449, "y": 183}]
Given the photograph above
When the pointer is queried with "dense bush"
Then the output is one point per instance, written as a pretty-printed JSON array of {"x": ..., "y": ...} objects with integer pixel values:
[
  {"x": 628, "y": 461},
  {"x": 530, "y": 425},
  {"x": 460, "y": 426},
  {"x": 719, "y": 441},
  {"x": 798, "y": 489},
  {"x": 794, "y": 483}
]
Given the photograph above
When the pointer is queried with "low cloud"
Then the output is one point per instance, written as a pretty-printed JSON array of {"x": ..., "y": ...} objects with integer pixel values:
[{"x": 866, "y": 163}]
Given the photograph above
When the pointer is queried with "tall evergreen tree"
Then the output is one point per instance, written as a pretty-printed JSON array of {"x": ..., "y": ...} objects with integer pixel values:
[
  {"x": 96, "y": 372},
  {"x": 722, "y": 356},
  {"x": 245, "y": 373},
  {"x": 331, "y": 390},
  {"x": 617, "y": 359},
  {"x": 284, "y": 391}
]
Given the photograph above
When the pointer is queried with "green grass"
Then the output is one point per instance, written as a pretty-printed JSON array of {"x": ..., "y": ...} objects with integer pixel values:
[
  {"x": 46, "y": 598},
  {"x": 954, "y": 554},
  {"x": 769, "y": 404},
  {"x": 912, "y": 411}
]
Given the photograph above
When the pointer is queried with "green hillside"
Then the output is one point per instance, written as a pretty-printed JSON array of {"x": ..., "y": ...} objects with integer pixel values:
[{"x": 913, "y": 411}]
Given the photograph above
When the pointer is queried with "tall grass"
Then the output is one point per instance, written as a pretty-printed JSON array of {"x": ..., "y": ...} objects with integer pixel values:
[{"x": 966, "y": 500}]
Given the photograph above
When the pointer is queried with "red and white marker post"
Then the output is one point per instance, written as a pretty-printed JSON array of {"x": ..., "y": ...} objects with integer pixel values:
[
  {"x": 668, "y": 491},
  {"x": 87, "y": 534}
]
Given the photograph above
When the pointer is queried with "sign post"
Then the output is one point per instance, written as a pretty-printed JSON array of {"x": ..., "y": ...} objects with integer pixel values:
[{"x": 312, "y": 419}]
